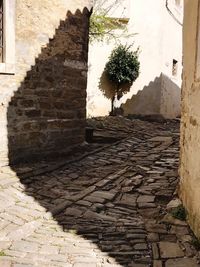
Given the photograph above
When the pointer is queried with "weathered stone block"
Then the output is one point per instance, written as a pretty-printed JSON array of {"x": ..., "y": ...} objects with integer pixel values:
[
  {"x": 182, "y": 263},
  {"x": 44, "y": 107},
  {"x": 170, "y": 250}
]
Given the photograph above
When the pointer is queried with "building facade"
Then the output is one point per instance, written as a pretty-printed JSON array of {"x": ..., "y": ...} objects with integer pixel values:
[
  {"x": 156, "y": 28},
  {"x": 43, "y": 75},
  {"x": 190, "y": 128}
]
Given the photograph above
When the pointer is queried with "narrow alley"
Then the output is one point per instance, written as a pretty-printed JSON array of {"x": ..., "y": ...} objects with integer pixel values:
[{"x": 110, "y": 207}]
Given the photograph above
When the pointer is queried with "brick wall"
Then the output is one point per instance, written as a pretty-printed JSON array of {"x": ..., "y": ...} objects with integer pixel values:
[{"x": 43, "y": 105}]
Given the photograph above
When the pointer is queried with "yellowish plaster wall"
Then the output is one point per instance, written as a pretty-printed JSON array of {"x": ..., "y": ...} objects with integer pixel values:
[{"x": 190, "y": 128}]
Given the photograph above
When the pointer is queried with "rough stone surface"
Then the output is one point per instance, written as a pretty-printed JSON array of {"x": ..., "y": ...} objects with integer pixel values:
[
  {"x": 170, "y": 250},
  {"x": 157, "y": 263},
  {"x": 173, "y": 204},
  {"x": 181, "y": 263},
  {"x": 42, "y": 106},
  {"x": 190, "y": 126},
  {"x": 95, "y": 219}
]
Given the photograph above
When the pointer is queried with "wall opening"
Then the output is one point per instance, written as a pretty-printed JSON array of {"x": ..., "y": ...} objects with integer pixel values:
[{"x": 174, "y": 67}]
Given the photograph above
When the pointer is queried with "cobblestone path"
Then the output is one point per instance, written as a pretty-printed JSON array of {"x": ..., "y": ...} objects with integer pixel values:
[{"x": 107, "y": 209}]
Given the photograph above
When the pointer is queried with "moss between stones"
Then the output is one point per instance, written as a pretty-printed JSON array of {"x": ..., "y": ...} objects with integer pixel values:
[
  {"x": 2, "y": 254},
  {"x": 196, "y": 243},
  {"x": 179, "y": 213}
]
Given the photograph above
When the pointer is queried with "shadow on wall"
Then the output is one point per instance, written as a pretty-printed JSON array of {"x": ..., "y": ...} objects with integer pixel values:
[
  {"x": 46, "y": 115},
  {"x": 109, "y": 89},
  {"x": 170, "y": 98},
  {"x": 160, "y": 97}
]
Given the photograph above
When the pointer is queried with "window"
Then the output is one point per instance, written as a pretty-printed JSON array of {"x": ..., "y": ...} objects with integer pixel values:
[
  {"x": 174, "y": 67},
  {"x": 7, "y": 36}
]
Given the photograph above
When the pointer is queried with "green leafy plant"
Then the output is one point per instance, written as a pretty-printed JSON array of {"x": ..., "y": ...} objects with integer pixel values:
[
  {"x": 2, "y": 254},
  {"x": 196, "y": 243},
  {"x": 122, "y": 70},
  {"x": 179, "y": 213},
  {"x": 102, "y": 26}
]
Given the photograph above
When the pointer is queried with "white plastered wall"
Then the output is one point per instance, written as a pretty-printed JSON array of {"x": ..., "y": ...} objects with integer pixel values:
[{"x": 159, "y": 37}]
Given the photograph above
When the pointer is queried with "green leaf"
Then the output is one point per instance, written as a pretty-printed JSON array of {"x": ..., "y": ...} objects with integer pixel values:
[{"x": 123, "y": 67}]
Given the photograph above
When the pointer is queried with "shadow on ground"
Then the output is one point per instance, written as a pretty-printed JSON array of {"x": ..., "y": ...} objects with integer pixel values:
[
  {"x": 114, "y": 197},
  {"x": 45, "y": 115},
  {"x": 111, "y": 198}
]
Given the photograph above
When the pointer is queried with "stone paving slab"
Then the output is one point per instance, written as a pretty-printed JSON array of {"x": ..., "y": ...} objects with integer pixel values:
[
  {"x": 105, "y": 209},
  {"x": 181, "y": 263}
]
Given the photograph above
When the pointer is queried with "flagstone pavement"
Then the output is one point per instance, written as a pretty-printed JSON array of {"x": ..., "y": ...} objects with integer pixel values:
[{"x": 106, "y": 208}]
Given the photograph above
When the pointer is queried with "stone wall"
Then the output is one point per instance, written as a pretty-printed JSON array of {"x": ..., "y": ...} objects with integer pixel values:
[
  {"x": 43, "y": 105},
  {"x": 190, "y": 129}
]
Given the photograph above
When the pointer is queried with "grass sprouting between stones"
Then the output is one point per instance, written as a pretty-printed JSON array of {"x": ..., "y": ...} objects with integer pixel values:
[
  {"x": 2, "y": 253},
  {"x": 179, "y": 213},
  {"x": 196, "y": 243}
]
